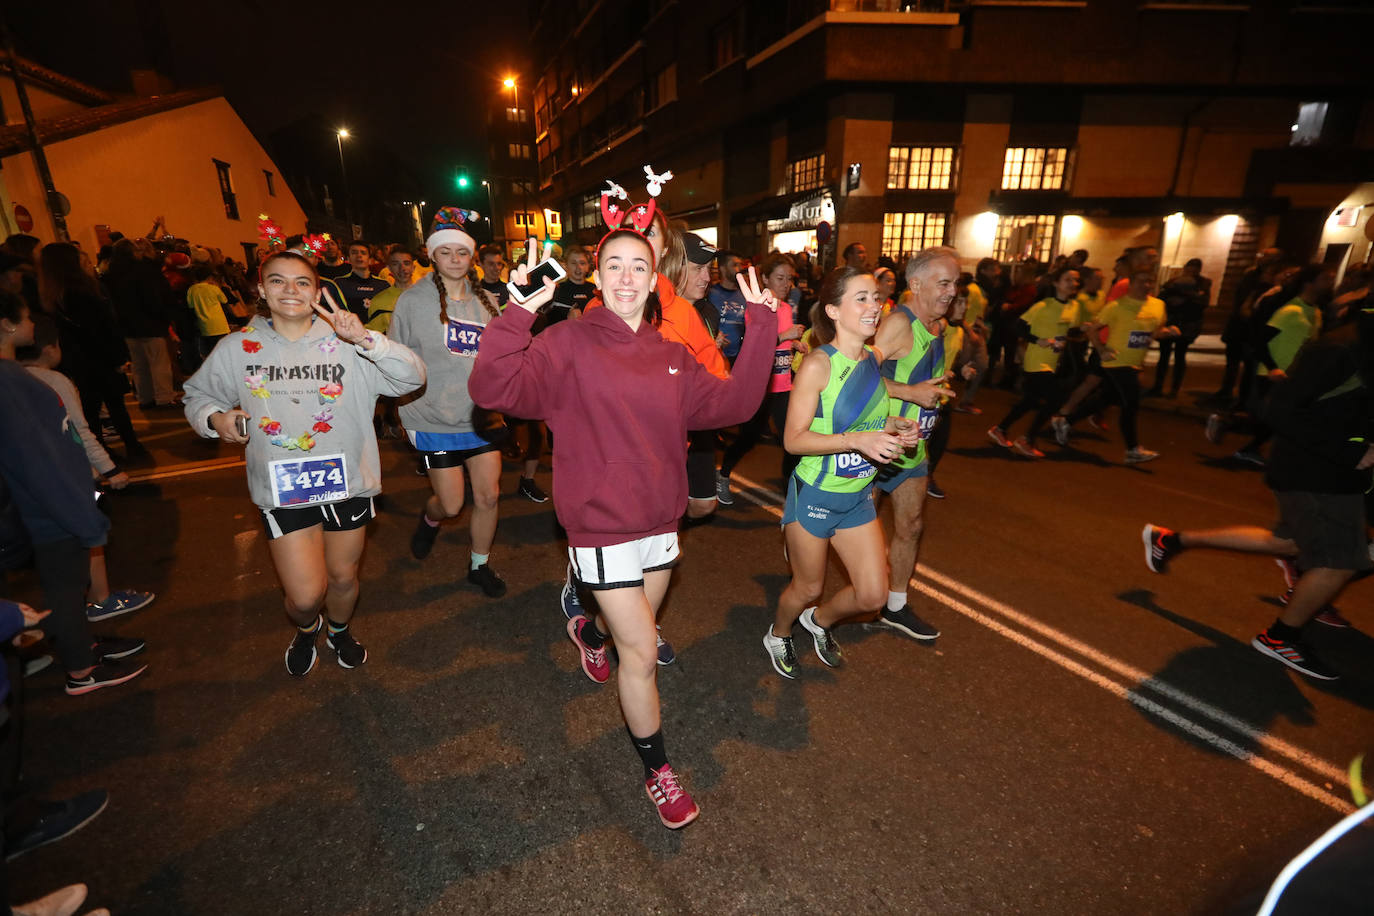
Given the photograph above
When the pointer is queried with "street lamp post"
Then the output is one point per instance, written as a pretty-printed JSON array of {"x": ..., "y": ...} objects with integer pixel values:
[
  {"x": 491, "y": 215},
  {"x": 341, "y": 135}
]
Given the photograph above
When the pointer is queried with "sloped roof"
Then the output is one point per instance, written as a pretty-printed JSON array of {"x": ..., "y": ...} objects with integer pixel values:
[
  {"x": 55, "y": 82},
  {"x": 14, "y": 138}
]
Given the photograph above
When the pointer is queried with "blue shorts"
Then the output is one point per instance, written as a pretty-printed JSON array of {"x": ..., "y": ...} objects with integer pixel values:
[
  {"x": 821, "y": 513},
  {"x": 892, "y": 477}
]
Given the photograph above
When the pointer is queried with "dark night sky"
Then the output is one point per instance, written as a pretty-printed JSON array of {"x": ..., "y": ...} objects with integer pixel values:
[{"x": 416, "y": 80}]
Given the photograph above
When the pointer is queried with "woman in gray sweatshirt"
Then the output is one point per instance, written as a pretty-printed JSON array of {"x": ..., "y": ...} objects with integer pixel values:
[
  {"x": 442, "y": 318},
  {"x": 299, "y": 391}
]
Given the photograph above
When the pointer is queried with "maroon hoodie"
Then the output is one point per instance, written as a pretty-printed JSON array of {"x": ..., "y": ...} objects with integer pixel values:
[{"x": 619, "y": 404}]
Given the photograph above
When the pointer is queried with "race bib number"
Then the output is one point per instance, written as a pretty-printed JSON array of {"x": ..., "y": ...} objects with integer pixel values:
[
  {"x": 304, "y": 481},
  {"x": 853, "y": 466},
  {"x": 464, "y": 337},
  {"x": 782, "y": 361},
  {"x": 1139, "y": 340},
  {"x": 926, "y": 420}
]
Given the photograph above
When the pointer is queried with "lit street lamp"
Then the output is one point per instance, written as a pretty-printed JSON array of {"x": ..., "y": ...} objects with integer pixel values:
[{"x": 340, "y": 136}]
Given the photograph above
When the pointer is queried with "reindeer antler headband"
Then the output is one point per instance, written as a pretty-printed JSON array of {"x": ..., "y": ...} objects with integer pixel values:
[{"x": 616, "y": 206}]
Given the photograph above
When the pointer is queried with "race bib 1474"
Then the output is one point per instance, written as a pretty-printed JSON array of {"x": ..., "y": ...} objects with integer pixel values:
[
  {"x": 464, "y": 337},
  {"x": 304, "y": 481}
]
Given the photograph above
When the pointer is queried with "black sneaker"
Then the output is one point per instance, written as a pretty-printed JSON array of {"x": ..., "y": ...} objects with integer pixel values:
[
  {"x": 933, "y": 490},
  {"x": 113, "y": 648},
  {"x": 1295, "y": 655},
  {"x": 531, "y": 490},
  {"x": 492, "y": 585},
  {"x": 905, "y": 621},
  {"x": 1161, "y": 546},
  {"x": 350, "y": 652},
  {"x": 422, "y": 541},
  {"x": 58, "y": 820},
  {"x": 301, "y": 655},
  {"x": 109, "y": 674}
]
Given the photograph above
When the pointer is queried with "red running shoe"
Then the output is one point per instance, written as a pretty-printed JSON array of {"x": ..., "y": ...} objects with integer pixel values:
[
  {"x": 997, "y": 435},
  {"x": 675, "y": 807},
  {"x": 1290, "y": 573},
  {"x": 594, "y": 663}
]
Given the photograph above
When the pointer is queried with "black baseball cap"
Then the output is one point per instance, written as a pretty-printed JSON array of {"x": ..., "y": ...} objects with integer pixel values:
[{"x": 698, "y": 251}]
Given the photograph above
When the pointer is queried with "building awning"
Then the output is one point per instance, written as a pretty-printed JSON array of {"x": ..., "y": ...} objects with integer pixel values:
[
  {"x": 1032, "y": 204},
  {"x": 776, "y": 206},
  {"x": 14, "y": 138}
]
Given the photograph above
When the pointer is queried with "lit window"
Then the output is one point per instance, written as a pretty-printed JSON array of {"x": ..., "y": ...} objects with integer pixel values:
[
  {"x": 806, "y": 174},
  {"x": 517, "y": 115},
  {"x": 524, "y": 218},
  {"x": 519, "y": 150},
  {"x": 1035, "y": 168},
  {"x": 904, "y": 234},
  {"x": 1025, "y": 236},
  {"x": 1307, "y": 127},
  {"x": 921, "y": 168}
]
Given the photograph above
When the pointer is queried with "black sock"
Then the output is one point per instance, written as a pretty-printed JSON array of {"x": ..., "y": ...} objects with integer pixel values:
[
  {"x": 651, "y": 751},
  {"x": 689, "y": 522},
  {"x": 1280, "y": 630},
  {"x": 313, "y": 628},
  {"x": 1171, "y": 541},
  {"x": 593, "y": 637},
  {"x": 336, "y": 628}
]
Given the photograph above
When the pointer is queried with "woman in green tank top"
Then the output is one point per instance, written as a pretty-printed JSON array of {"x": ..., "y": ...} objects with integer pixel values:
[{"x": 838, "y": 421}]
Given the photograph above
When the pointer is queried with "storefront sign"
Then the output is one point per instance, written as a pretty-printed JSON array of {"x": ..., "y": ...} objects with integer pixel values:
[{"x": 805, "y": 213}]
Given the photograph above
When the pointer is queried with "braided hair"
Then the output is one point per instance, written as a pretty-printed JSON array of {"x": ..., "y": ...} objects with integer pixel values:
[{"x": 483, "y": 296}]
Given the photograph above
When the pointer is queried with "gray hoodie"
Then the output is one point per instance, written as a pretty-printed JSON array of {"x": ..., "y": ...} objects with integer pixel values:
[
  {"x": 308, "y": 398},
  {"x": 443, "y": 405}
]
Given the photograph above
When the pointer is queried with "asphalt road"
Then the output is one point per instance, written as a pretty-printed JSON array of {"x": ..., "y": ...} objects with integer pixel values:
[{"x": 1085, "y": 736}]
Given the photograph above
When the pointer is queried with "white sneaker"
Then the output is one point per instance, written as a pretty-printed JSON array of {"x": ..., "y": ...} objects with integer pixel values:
[{"x": 1140, "y": 455}]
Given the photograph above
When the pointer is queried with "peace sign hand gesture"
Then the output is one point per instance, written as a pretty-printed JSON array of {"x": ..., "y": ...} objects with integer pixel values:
[
  {"x": 753, "y": 292},
  {"x": 347, "y": 325},
  {"x": 520, "y": 277}
]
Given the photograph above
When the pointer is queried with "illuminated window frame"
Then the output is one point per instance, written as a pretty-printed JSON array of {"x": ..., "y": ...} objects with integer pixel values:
[
  {"x": 806, "y": 174},
  {"x": 1036, "y": 168},
  {"x": 922, "y": 168},
  {"x": 904, "y": 234},
  {"x": 1046, "y": 225}
]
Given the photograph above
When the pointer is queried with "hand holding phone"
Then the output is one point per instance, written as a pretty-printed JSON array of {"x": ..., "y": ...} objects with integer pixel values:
[
  {"x": 527, "y": 281},
  {"x": 241, "y": 424}
]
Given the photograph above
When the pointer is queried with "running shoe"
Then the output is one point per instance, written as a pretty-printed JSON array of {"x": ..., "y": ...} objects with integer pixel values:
[
  {"x": 119, "y": 602},
  {"x": 36, "y": 664},
  {"x": 1099, "y": 422},
  {"x": 1295, "y": 655},
  {"x": 1161, "y": 546},
  {"x": 1249, "y": 456},
  {"x": 904, "y": 621},
  {"x": 348, "y": 650},
  {"x": 1022, "y": 446},
  {"x": 110, "y": 674},
  {"x": 492, "y": 585},
  {"x": 967, "y": 408},
  {"x": 301, "y": 655},
  {"x": 675, "y": 807},
  {"x": 1290, "y": 575},
  {"x": 531, "y": 490},
  {"x": 422, "y": 541},
  {"x": 666, "y": 655},
  {"x": 1061, "y": 429},
  {"x": 568, "y": 600},
  {"x": 113, "y": 648},
  {"x": 996, "y": 434},
  {"x": 827, "y": 650},
  {"x": 781, "y": 653},
  {"x": 1215, "y": 430},
  {"x": 1140, "y": 455},
  {"x": 1332, "y": 618},
  {"x": 934, "y": 490},
  {"x": 723, "y": 491},
  {"x": 594, "y": 663},
  {"x": 56, "y": 821}
]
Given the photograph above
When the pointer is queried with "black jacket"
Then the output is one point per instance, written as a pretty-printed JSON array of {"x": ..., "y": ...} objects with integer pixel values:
[
  {"x": 1323, "y": 418},
  {"x": 141, "y": 299}
]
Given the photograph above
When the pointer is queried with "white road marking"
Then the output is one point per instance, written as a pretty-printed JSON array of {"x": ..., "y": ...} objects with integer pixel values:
[
  {"x": 181, "y": 470},
  {"x": 1135, "y": 677}
]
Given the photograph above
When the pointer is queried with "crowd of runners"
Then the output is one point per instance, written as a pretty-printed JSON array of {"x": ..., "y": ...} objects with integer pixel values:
[{"x": 655, "y": 367}]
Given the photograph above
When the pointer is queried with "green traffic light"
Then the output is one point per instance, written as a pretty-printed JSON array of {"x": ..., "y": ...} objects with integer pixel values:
[{"x": 462, "y": 181}]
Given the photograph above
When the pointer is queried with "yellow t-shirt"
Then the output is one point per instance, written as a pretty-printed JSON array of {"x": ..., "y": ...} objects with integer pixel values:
[
  {"x": 206, "y": 300},
  {"x": 954, "y": 344},
  {"x": 1298, "y": 323},
  {"x": 1091, "y": 304},
  {"x": 1131, "y": 325},
  {"x": 1051, "y": 319},
  {"x": 383, "y": 306},
  {"x": 977, "y": 305}
]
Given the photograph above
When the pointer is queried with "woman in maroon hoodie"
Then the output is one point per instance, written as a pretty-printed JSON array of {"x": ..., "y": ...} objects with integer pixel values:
[{"x": 620, "y": 400}]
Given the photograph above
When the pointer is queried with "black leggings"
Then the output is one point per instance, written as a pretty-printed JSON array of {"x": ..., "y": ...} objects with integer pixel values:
[
  {"x": 939, "y": 439},
  {"x": 107, "y": 392},
  {"x": 774, "y": 406},
  {"x": 1120, "y": 385},
  {"x": 64, "y": 571},
  {"x": 1178, "y": 348},
  {"x": 1042, "y": 392}
]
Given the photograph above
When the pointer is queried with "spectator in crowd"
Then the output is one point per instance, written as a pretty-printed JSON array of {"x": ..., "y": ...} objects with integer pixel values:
[
  {"x": 1185, "y": 297},
  {"x": 573, "y": 294},
  {"x": 332, "y": 265},
  {"x": 141, "y": 301},
  {"x": 729, "y": 304},
  {"x": 856, "y": 257}
]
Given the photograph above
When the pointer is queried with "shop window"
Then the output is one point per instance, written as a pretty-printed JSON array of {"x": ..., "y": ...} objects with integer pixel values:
[
  {"x": 922, "y": 168},
  {"x": 806, "y": 174},
  {"x": 1020, "y": 237},
  {"x": 226, "y": 189},
  {"x": 1035, "y": 168},
  {"x": 904, "y": 234},
  {"x": 271, "y": 183}
]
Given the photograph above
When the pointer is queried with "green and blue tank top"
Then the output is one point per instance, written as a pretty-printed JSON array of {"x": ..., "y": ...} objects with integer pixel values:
[
  {"x": 925, "y": 361},
  {"x": 854, "y": 400}
]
